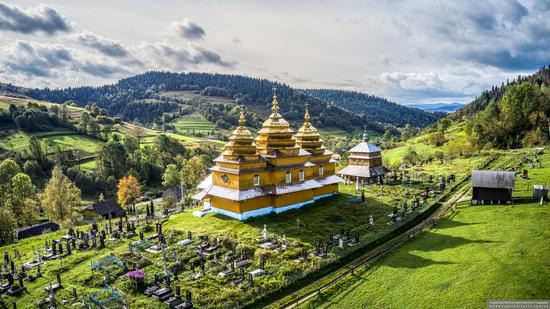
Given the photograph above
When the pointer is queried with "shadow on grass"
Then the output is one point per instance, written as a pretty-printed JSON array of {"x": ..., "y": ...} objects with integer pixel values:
[
  {"x": 437, "y": 242},
  {"x": 429, "y": 242},
  {"x": 447, "y": 223},
  {"x": 408, "y": 260}
]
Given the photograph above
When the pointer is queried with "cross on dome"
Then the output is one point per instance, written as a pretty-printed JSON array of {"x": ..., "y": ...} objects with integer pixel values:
[
  {"x": 242, "y": 120},
  {"x": 365, "y": 135},
  {"x": 307, "y": 117},
  {"x": 275, "y": 103}
]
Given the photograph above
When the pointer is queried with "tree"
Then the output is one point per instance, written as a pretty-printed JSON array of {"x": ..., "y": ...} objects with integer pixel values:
[
  {"x": 193, "y": 172},
  {"x": 84, "y": 121},
  {"x": 61, "y": 198},
  {"x": 23, "y": 207},
  {"x": 8, "y": 169},
  {"x": 407, "y": 132},
  {"x": 128, "y": 190},
  {"x": 172, "y": 176},
  {"x": 38, "y": 150},
  {"x": 112, "y": 159},
  {"x": 7, "y": 226}
]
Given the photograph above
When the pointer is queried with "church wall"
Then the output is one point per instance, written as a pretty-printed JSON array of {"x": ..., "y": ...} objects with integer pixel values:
[
  {"x": 328, "y": 189},
  {"x": 293, "y": 198}
]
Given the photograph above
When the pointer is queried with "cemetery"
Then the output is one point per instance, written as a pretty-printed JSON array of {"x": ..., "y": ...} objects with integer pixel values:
[
  {"x": 501, "y": 248},
  {"x": 181, "y": 260}
]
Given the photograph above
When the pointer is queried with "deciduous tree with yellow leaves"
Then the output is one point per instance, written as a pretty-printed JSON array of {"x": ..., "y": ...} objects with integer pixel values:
[{"x": 128, "y": 190}]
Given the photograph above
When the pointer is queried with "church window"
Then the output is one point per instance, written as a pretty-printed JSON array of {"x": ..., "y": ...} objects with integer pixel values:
[
  {"x": 256, "y": 180},
  {"x": 321, "y": 170},
  {"x": 288, "y": 177},
  {"x": 301, "y": 175}
]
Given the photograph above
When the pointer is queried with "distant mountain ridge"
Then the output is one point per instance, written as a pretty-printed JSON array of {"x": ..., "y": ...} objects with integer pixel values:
[
  {"x": 437, "y": 107},
  {"x": 376, "y": 108},
  {"x": 139, "y": 98}
]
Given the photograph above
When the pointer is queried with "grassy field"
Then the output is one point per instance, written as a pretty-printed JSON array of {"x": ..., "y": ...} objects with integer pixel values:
[
  {"x": 316, "y": 222},
  {"x": 194, "y": 122},
  {"x": 475, "y": 254},
  {"x": 420, "y": 144},
  {"x": 19, "y": 140}
]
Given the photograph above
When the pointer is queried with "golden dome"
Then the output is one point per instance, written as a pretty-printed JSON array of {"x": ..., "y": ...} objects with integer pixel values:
[
  {"x": 241, "y": 142},
  {"x": 275, "y": 133},
  {"x": 308, "y": 137}
]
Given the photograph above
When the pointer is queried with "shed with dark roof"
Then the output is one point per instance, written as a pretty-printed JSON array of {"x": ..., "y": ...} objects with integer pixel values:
[
  {"x": 492, "y": 186},
  {"x": 35, "y": 230},
  {"x": 103, "y": 209}
]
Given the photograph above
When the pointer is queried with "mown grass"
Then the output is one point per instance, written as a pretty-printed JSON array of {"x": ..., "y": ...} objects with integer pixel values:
[
  {"x": 317, "y": 221},
  {"x": 194, "y": 122},
  {"x": 475, "y": 254},
  {"x": 19, "y": 140}
]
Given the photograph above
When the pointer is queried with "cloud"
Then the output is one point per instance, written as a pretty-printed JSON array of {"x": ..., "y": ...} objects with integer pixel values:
[
  {"x": 107, "y": 47},
  {"x": 237, "y": 41},
  {"x": 505, "y": 35},
  {"x": 103, "y": 70},
  {"x": 31, "y": 60},
  {"x": 39, "y": 19},
  {"x": 35, "y": 60},
  {"x": 188, "y": 29},
  {"x": 407, "y": 87},
  {"x": 182, "y": 57}
]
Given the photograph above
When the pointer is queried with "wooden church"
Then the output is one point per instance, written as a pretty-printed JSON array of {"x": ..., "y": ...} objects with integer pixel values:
[
  {"x": 365, "y": 163},
  {"x": 272, "y": 173}
]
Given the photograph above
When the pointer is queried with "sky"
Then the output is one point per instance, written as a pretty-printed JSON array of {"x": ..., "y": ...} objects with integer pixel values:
[{"x": 407, "y": 51}]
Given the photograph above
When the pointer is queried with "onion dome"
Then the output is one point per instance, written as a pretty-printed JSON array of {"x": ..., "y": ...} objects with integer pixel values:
[
  {"x": 308, "y": 137},
  {"x": 241, "y": 142},
  {"x": 276, "y": 134}
]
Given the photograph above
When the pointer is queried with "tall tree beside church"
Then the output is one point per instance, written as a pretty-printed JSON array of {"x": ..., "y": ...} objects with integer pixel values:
[
  {"x": 7, "y": 226},
  {"x": 61, "y": 199},
  {"x": 129, "y": 190},
  {"x": 194, "y": 172},
  {"x": 21, "y": 199}
]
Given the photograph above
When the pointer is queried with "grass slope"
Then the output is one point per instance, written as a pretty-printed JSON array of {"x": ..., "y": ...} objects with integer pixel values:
[
  {"x": 19, "y": 140},
  {"x": 317, "y": 221},
  {"x": 192, "y": 122},
  {"x": 476, "y": 254}
]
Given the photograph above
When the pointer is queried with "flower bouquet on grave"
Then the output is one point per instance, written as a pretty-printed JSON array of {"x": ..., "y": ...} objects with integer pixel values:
[{"x": 137, "y": 278}]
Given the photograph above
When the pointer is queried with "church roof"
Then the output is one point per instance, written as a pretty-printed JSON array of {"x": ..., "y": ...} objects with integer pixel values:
[
  {"x": 332, "y": 179},
  {"x": 241, "y": 142},
  {"x": 233, "y": 194},
  {"x": 365, "y": 147},
  {"x": 363, "y": 171},
  {"x": 206, "y": 182}
]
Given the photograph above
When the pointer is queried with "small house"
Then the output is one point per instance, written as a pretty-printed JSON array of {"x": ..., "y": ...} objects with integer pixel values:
[
  {"x": 104, "y": 209},
  {"x": 35, "y": 230},
  {"x": 175, "y": 191},
  {"x": 492, "y": 187}
]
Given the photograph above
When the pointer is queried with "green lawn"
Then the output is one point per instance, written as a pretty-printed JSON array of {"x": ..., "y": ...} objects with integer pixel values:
[
  {"x": 475, "y": 254},
  {"x": 317, "y": 221},
  {"x": 19, "y": 140},
  {"x": 193, "y": 122}
]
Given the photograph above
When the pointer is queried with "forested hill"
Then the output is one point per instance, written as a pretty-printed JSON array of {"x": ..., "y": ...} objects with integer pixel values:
[
  {"x": 142, "y": 98},
  {"x": 377, "y": 109},
  {"x": 497, "y": 92},
  {"x": 513, "y": 115}
]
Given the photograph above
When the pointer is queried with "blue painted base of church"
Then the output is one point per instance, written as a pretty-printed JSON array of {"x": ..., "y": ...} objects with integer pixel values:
[{"x": 266, "y": 210}]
